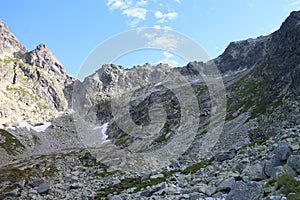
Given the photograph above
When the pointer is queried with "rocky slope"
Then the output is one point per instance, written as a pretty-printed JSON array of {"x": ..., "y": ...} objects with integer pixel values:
[{"x": 256, "y": 156}]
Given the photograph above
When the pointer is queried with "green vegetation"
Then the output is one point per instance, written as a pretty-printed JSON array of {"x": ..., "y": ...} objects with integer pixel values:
[
  {"x": 43, "y": 106},
  {"x": 106, "y": 173},
  {"x": 270, "y": 183},
  {"x": 249, "y": 92},
  {"x": 197, "y": 166},
  {"x": 122, "y": 139},
  {"x": 279, "y": 101},
  {"x": 259, "y": 109},
  {"x": 10, "y": 144},
  {"x": 137, "y": 183},
  {"x": 36, "y": 139},
  {"x": 286, "y": 184},
  {"x": 160, "y": 139},
  {"x": 289, "y": 186},
  {"x": 23, "y": 91},
  {"x": 256, "y": 142},
  {"x": 13, "y": 174},
  {"x": 9, "y": 60}
]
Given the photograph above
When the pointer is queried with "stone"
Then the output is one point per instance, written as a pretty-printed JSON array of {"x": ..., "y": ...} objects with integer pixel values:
[
  {"x": 255, "y": 172},
  {"x": 294, "y": 162},
  {"x": 282, "y": 151},
  {"x": 246, "y": 191},
  {"x": 75, "y": 185},
  {"x": 207, "y": 189},
  {"x": 115, "y": 198},
  {"x": 283, "y": 170},
  {"x": 270, "y": 167},
  {"x": 226, "y": 185},
  {"x": 13, "y": 193},
  {"x": 277, "y": 198},
  {"x": 88, "y": 159},
  {"x": 43, "y": 188},
  {"x": 35, "y": 183},
  {"x": 153, "y": 189},
  {"x": 185, "y": 196},
  {"x": 227, "y": 155},
  {"x": 156, "y": 176},
  {"x": 171, "y": 190}
]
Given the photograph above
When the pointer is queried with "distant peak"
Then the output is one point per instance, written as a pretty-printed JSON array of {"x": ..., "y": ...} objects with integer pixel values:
[{"x": 41, "y": 47}]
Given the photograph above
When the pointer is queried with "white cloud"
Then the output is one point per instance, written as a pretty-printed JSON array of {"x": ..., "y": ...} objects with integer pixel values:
[
  {"x": 168, "y": 59},
  {"x": 167, "y": 54},
  {"x": 138, "y": 10},
  {"x": 134, "y": 11},
  {"x": 142, "y": 3},
  {"x": 118, "y": 4},
  {"x": 162, "y": 27},
  {"x": 139, "y": 13},
  {"x": 162, "y": 18}
]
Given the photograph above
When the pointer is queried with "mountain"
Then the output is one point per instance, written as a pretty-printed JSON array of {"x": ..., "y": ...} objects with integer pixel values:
[
  {"x": 32, "y": 82},
  {"x": 172, "y": 133}
]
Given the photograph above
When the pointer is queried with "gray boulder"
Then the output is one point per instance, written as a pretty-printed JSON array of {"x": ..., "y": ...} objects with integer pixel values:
[
  {"x": 255, "y": 172},
  {"x": 222, "y": 156},
  {"x": 246, "y": 191},
  {"x": 270, "y": 166},
  {"x": 282, "y": 151},
  {"x": 226, "y": 185},
  {"x": 294, "y": 162},
  {"x": 44, "y": 188}
]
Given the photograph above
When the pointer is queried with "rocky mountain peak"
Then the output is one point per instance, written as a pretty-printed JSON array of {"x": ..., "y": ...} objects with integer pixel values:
[
  {"x": 43, "y": 57},
  {"x": 9, "y": 44}
]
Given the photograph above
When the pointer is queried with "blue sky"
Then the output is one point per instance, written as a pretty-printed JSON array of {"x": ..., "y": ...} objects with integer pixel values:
[{"x": 72, "y": 29}]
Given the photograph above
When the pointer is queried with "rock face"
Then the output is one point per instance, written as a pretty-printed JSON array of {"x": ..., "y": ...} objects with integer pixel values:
[
  {"x": 32, "y": 83},
  {"x": 9, "y": 44},
  {"x": 43, "y": 58}
]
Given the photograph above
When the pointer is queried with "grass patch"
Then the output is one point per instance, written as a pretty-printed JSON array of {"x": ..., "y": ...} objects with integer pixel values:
[
  {"x": 35, "y": 139},
  {"x": 122, "y": 139},
  {"x": 10, "y": 144},
  {"x": 160, "y": 139},
  {"x": 289, "y": 186},
  {"x": 257, "y": 142},
  {"x": 197, "y": 166},
  {"x": 270, "y": 183},
  {"x": 136, "y": 182}
]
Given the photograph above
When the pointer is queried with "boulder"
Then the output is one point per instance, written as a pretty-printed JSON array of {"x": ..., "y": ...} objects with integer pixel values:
[
  {"x": 255, "y": 172},
  {"x": 270, "y": 167},
  {"x": 222, "y": 156},
  {"x": 294, "y": 162},
  {"x": 246, "y": 191},
  {"x": 226, "y": 185},
  {"x": 282, "y": 151},
  {"x": 44, "y": 188}
]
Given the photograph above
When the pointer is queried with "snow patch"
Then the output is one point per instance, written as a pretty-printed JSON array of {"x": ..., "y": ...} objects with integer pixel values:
[
  {"x": 40, "y": 128},
  {"x": 103, "y": 130}
]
